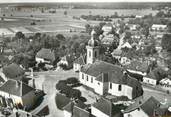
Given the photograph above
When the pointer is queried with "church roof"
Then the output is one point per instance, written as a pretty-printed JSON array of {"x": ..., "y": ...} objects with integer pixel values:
[{"x": 99, "y": 67}]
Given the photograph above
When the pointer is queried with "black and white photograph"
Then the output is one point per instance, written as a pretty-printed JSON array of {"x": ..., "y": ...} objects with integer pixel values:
[{"x": 85, "y": 58}]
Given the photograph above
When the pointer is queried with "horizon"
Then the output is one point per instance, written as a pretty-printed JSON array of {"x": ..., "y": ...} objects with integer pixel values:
[{"x": 82, "y": 1}]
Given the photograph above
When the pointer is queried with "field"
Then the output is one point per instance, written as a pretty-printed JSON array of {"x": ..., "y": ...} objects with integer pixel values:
[{"x": 56, "y": 22}]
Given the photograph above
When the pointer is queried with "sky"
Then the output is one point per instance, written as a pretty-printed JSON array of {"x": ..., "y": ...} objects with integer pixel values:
[{"x": 17, "y": 1}]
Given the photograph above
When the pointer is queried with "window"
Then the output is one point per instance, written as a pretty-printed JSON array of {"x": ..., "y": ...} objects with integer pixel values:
[
  {"x": 82, "y": 76},
  {"x": 95, "y": 54},
  {"x": 87, "y": 77},
  {"x": 91, "y": 79},
  {"x": 119, "y": 87},
  {"x": 110, "y": 85},
  {"x": 98, "y": 83},
  {"x": 89, "y": 53}
]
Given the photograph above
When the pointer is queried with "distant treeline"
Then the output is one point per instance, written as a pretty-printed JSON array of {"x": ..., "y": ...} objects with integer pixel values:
[{"x": 118, "y": 5}]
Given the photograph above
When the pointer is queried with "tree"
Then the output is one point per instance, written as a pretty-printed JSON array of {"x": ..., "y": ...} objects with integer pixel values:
[
  {"x": 169, "y": 27},
  {"x": 145, "y": 31},
  {"x": 166, "y": 42},
  {"x": 65, "y": 13}
]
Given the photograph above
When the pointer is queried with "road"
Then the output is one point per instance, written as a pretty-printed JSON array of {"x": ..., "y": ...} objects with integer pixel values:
[{"x": 49, "y": 80}]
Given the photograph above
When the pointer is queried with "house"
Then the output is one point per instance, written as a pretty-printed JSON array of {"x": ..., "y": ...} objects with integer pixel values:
[
  {"x": 12, "y": 71},
  {"x": 76, "y": 109},
  {"x": 3, "y": 60},
  {"x": 66, "y": 60},
  {"x": 117, "y": 53},
  {"x": 137, "y": 67},
  {"x": 107, "y": 28},
  {"x": 126, "y": 45},
  {"x": 80, "y": 61},
  {"x": 105, "y": 108},
  {"x": 158, "y": 27},
  {"x": 132, "y": 27},
  {"x": 142, "y": 108},
  {"x": 150, "y": 78},
  {"x": 45, "y": 56},
  {"x": 109, "y": 39},
  {"x": 20, "y": 93},
  {"x": 166, "y": 81},
  {"x": 105, "y": 77}
]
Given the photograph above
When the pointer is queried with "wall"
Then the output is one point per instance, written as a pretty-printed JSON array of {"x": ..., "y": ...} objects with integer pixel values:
[
  {"x": 67, "y": 114},
  {"x": 149, "y": 81},
  {"x": 96, "y": 85},
  {"x": 136, "y": 113},
  {"x": 125, "y": 90},
  {"x": 76, "y": 67},
  {"x": 16, "y": 99},
  {"x": 97, "y": 113},
  {"x": 29, "y": 99}
]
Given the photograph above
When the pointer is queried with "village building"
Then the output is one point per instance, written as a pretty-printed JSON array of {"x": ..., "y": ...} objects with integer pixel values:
[
  {"x": 126, "y": 45},
  {"x": 76, "y": 109},
  {"x": 105, "y": 77},
  {"x": 105, "y": 108},
  {"x": 20, "y": 93},
  {"x": 166, "y": 81},
  {"x": 107, "y": 28},
  {"x": 158, "y": 27},
  {"x": 12, "y": 71},
  {"x": 66, "y": 60},
  {"x": 145, "y": 108},
  {"x": 45, "y": 56},
  {"x": 117, "y": 53},
  {"x": 137, "y": 67},
  {"x": 150, "y": 78},
  {"x": 79, "y": 62}
]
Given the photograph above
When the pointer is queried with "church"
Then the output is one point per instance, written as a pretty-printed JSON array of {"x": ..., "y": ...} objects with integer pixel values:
[{"x": 106, "y": 78}]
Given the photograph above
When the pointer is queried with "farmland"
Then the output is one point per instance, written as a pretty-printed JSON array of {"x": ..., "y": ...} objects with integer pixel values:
[{"x": 55, "y": 22}]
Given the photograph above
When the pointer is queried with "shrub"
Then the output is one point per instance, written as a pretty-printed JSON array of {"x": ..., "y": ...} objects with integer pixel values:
[
  {"x": 72, "y": 80},
  {"x": 75, "y": 93},
  {"x": 61, "y": 85}
]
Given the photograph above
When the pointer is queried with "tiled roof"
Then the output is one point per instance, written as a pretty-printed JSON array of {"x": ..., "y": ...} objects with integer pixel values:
[
  {"x": 46, "y": 54},
  {"x": 99, "y": 67},
  {"x": 13, "y": 71},
  {"x": 16, "y": 88},
  {"x": 106, "y": 107},
  {"x": 137, "y": 66},
  {"x": 117, "y": 52},
  {"x": 81, "y": 60},
  {"x": 148, "y": 106}
]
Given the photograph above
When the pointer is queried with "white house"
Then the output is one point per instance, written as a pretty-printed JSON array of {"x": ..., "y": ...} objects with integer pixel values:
[
  {"x": 158, "y": 27},
  {"x": 142, "y": 108},
  {"x": 150, "y": 78},
  {"x": 126, "y": 45},
  {"x": 19, "y": 92},
  {"x": 107, "y": 28},
  {"x": 79, "y": 62},
  {"x": 98, "y": 74},
  {"x": 166, "y": 81},
  {"x": 45, "y": 56}
]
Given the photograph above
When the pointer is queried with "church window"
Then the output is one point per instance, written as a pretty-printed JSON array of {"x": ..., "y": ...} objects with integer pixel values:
[
  {"x": 119, "y": 87},
  {"x": 110, "y": 85},
  {"x": 91, "y": 79},
  {"x": 82, "y": 76},
  {"x": 87, "y": 77},
  {"x": 89, "y": 53}
]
